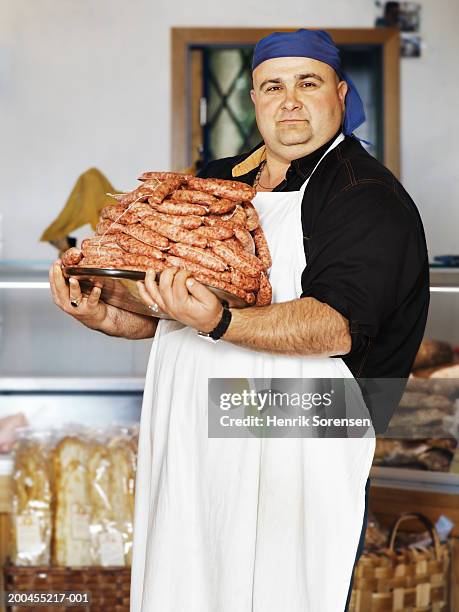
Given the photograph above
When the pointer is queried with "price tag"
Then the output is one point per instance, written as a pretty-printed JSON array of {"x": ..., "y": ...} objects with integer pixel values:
[{"x": 111, "y": 548}]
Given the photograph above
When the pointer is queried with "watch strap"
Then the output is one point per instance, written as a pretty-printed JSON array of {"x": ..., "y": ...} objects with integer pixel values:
[{"x": 223, "y": 324}]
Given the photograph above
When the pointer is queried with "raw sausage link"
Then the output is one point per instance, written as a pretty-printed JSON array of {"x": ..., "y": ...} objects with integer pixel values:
[
  {"x": 216, "y": 232},
  {"x": 140, "y": 260},
  {"x": 141, "y": 193},
  {"x": 100, "y": 262},
  {"x": 253, "y": 221},
  {"x": 103, "y": 251},
  {"x": 233, "y": 190},
  {"x": 220, "y": 284},
  {"x": 164, "y": 189},
  {"x": 119, "y": 197},
  {"x": 145, "y": 234},
  {"x": 235, "y": 244},
  {"x": 108, "y": 239},
  {"x": 119, "y": 214},
  {"x": 217, "y": 220},
  {"x": 161, "y": 176},
  {"x": 262, "y": 248},
  {"x": 191, "y": 266},
  {"x": 245, "y": 237},
  {"x": 178, "y": 234},
  {"x": 105, "y": 227},
  {"x": 245, "y": 262},
  {"x": 193, "y": 197},
  {"x": 202, "y": 257},
  {"x": 140, "y": 210},
  {"x": 132, "y": 245},
  {"x": 265, "y": 292},
  {"x": 185, "y": 221},
  {"x": 237, "y": 216},
  {"x": 219, "y": 207},
  {"x": 249, "y": 283},
  {"x": 72, "y": 256},
  {"x": 179, "y": 208}
]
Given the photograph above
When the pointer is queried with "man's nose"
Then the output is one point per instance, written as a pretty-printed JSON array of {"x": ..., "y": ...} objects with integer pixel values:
[{"x": 290, "y": 101}]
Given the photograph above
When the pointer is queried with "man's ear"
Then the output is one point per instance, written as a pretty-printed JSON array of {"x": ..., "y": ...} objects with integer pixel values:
[
  {"x": 252, "y": 95},
  {"x": 342, "y": 91}
]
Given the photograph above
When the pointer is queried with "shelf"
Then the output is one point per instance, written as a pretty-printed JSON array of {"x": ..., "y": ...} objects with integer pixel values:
[
  {"x": 415, "y": 480},
  {"x": 64, "y": 384},
  {"x": 33, "y": 274}
]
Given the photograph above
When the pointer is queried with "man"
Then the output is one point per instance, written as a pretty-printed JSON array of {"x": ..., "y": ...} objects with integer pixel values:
[{"x": 363, "y": 302}]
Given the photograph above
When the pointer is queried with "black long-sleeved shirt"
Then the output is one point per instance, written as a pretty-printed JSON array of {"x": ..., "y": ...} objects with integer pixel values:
[{"x": 365, "y": 249}]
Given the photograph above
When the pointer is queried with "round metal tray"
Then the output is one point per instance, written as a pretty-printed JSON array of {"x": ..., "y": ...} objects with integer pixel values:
[{"x": 119, "y": 288}]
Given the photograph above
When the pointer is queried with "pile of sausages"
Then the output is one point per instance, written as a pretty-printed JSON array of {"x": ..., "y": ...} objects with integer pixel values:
[{"x": 206, "y": 226}]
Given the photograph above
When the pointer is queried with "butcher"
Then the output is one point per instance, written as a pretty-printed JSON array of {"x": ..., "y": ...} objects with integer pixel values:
[{"x": 260, "y": 524}]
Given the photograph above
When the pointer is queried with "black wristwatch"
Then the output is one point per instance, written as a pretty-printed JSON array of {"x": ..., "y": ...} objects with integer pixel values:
[{"x": 222, "y": 325}]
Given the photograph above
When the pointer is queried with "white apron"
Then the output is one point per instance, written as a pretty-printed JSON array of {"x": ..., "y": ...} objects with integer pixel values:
[{"x": 252, "y": 524}]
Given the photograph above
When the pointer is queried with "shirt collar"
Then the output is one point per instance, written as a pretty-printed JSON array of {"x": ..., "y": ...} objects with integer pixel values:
[{"x": 302, "y": 166}]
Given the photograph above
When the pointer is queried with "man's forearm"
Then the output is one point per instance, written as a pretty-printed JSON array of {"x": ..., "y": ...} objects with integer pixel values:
[
  {"x": 129, "y": 325},
  {"x": 300, "y": 327}
]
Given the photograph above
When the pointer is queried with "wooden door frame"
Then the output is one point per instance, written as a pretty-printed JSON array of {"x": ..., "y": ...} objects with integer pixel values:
[{"x": 183, "y": 38}]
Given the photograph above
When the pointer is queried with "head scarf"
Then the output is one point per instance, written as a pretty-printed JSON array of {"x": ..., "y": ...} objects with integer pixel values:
[{"x": 318, "y": 45}]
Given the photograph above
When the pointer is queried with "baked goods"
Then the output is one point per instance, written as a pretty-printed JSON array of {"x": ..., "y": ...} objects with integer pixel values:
[
  {"x": 206, "y": 226},
  {"x": 73, "y": 503},
  {"x": 31, "y": 501},
  {"x": 432, "y": 353}
]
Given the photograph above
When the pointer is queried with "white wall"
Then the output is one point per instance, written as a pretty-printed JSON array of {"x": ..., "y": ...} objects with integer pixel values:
[{"x": 86, "y": 83}]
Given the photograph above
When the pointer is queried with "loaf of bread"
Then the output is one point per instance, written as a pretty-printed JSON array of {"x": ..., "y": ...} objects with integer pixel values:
[
  {"x": 433, "y": 353},
  {"x": 31, "y": 502},
  {"x": 72, "y": 537}
]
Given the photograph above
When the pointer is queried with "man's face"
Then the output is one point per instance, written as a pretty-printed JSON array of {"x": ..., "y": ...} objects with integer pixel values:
[{"x": 299, "y": 104}]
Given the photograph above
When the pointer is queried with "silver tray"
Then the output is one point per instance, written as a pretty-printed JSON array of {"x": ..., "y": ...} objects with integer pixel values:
[{"x": 119, "y": 288}]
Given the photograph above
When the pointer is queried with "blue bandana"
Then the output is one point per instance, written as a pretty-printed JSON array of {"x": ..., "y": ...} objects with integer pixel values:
[{"x": 317, "y": 45}]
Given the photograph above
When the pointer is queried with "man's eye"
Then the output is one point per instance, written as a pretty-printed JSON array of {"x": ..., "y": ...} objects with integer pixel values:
[
  {"x": 308, "y": 84},
  {"x": 273, "y": 88}
]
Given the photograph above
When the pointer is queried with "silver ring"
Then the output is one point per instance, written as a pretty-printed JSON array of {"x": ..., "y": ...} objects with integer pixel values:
[
  {"x": 75, "y": 303},
  {"x": 154, "y": 307}
]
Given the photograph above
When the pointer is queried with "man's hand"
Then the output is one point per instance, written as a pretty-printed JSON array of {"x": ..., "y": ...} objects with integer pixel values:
[
  {"x": 183, "y": 298},
  {"x": 90, "y": 311},
  {"x": 94, "y": 313}
]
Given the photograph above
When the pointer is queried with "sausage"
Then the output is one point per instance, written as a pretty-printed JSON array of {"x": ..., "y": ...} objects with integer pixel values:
[
  {"x": 119, "y": 197},
  {"x": 216, "y": 232},
  {"x": 109, "y": 227},
  {"x": 134, "y": 246},
  {"x": 140, "y": 260},
  {"x": 221, "y": 206},
  {"x": 72, "y": 257},
  {"x": 108, "y": 239},
  {"x": 166, "y": 187},
  {"x": 249, "y": 283},
  {"x": 193, "y": 197},
  {"x": 100, "y": 262},
  {"x": 235, "y": 244},
  {"x": 185, "y": 221},
  {"x": 236, "y": 216},
  {"x": 145, "y": 234},
  {"x": 140, "y": 210},
  {"x": 104, "y": 251},
  {"x": 250, "y": 298},
  {"x": 265, "y": 292},
  {"x": 233, "y": 190},
  {"x": 226, "y": 286},
  {"x": 262, "y": 248},
  {"x": 179, "y": 208},
  {"x": 245, "y": 238},
  {"x": 118, "y": 214},
  {"x": 253, "y": 221},
  {"x": 185, "y": 264},
  {"x": 161, "y": 176},
  {"x": 140, "y": 194},
  {"x": 217, "y": 220},
  {"x": 174, "y": 232},
  {"x": 245, "y": 262},
  {"x": 200, "y": 256}
]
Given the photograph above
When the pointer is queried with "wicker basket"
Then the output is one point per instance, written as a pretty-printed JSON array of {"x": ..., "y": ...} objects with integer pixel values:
[
  {"x": 109, "y": 586},
  {"x": 403, "y": 579}
]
